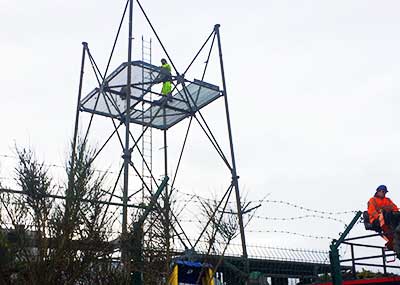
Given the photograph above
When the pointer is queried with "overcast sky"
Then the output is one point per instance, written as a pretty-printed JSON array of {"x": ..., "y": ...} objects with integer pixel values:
[{"x": 313, "y": 89}]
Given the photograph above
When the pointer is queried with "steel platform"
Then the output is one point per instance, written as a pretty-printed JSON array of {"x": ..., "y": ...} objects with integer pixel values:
[{"x": 110, "y": 98}]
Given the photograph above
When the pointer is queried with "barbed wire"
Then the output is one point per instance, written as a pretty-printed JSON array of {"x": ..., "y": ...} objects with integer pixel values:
[
  {"x": 8, "y": 156},
  {"x": 189, "y": 221},
  {"x": 268, "y": 231},
  {"x": 318, "y": 214},
  {"x": 290, "y": 233},
  {"x": 285, "y": 218},
  {"x": 273, "y": 201},
  {"x": 63, "y": 167},
  {"x": 300, "y": 218},
  {"x": 283, "y": 248},
  {"x": 300, "y": 207},
  {"x": 6, "y": 178},
  {"x": 197, "y": 196},
  {"x": 305, "y": 208},
  {"x": 257, "y": 246}
]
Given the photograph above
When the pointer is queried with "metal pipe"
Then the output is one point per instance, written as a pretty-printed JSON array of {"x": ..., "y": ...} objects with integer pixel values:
[
  {"x": 334, "y": 252},
  {"x": 363, "y": 258},
  {"x": 228, "y": 191},
  {"x": 363, "y": 245},
  {"x": 384, "y": 261},
  {"x": 377, "y": 265},
  {"x": 127, "y": 155},
  {"x": 64, "y": 198},
  {"x": 336, "y": 243},
  {"x": 158, "y": 38},
  {"x": 361, "y": 237},
  {"x": 353, "y": 265},
  {"x": 233, "y": 171},
  {"x": 181, "y": 153},
  {"x": 152, "y": 203},
  {"x": 78, "y": 105},
  {"x": 166, "y": 196},
  {"x": 137, "y": 254},
  {"x": 197, "y": 54},
  {"x": 116, "y": 39}
]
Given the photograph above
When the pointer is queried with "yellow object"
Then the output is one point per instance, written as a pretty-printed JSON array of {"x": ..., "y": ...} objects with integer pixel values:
[
  {"x": 166, "y": 88},
  {"x": 167, "y": 67},
  {"x": 206, "y": 280},
  {"x": 173, "y": 278}
]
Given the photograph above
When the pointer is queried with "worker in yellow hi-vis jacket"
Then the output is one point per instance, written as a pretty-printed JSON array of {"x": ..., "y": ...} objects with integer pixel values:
[{"x": 165, "y": 77}]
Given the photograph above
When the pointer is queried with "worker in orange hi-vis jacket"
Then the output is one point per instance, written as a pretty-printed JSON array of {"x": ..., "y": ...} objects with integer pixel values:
[{"x": 380, "y": 211}]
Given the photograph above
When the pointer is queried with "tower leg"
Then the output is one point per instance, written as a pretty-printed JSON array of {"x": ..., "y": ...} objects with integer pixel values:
[
  {"x": 235, "y": 177},
  {"x": 78, "y": 105},
  {"x": 125, "y": 256}
]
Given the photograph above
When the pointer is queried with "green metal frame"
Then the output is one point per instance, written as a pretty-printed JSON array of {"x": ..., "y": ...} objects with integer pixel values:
[{"x": 334, "y": 252}]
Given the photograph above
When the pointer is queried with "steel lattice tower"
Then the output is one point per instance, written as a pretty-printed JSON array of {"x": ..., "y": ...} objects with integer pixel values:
[{"x": 126, "y": 97}]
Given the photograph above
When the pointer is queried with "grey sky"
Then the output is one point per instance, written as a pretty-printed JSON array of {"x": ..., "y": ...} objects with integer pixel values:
[{"x": 313, "y": 88}]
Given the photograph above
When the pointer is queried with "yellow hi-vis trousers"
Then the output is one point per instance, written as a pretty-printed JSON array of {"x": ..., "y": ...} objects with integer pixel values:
[{"x": 166, "y": 88}]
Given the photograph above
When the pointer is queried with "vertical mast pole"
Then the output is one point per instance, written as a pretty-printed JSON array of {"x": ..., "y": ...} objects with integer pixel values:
[
  {"x": 127, "y": 155},
  {"x": 167, "y": 199},
  {"x": 78, "y": 106},
  {"x": 235, "y": 177}
]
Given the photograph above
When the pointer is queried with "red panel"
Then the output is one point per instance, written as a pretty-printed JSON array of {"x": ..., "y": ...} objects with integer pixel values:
[{"x": 383, "y": 281}]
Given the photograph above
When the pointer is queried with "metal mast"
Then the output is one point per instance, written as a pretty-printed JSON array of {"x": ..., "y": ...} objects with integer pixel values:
[
  {"x": 235, "y": 177},
  {"x": 127, "y": 154},
  {"x": 119, "y": 100}
]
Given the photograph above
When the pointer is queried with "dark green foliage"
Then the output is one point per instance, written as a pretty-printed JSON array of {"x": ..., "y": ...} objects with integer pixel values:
[{"x": 52, "y": 242}]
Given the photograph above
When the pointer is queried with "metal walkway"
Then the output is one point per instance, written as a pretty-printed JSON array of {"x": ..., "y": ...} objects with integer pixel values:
[{"x": 110, "y": 99}]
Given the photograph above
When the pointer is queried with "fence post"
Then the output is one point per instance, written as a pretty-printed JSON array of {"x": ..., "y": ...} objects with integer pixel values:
[
  {"x": 384, "y": 261},
  {"x": 334, "y": 252},
  {"x": 353, "y": 263}
]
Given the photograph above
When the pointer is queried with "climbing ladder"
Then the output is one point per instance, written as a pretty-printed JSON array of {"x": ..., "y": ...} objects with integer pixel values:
[{"x": 147, "y": 140}]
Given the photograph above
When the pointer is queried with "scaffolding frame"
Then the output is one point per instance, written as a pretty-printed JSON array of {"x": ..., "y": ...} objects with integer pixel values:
[{"x": 128, "y": 148}]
